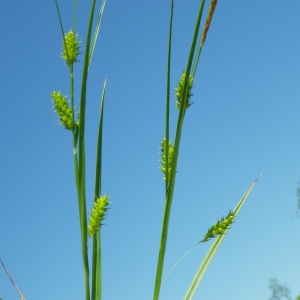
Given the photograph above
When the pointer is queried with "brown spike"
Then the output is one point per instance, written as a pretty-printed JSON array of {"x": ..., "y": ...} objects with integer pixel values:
[{"x": 208, "y": 20}]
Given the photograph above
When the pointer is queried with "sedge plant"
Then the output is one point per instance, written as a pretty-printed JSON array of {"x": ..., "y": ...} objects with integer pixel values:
[{"x": 74, "y": 122}]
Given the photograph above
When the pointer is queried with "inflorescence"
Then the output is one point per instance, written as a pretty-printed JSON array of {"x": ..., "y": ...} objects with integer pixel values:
[
  {"x": 98, "y": 214},
  {"x": 220, "y": 227}
]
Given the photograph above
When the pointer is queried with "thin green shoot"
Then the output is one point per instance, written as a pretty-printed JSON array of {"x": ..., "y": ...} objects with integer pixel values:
[
  {"x": 168, "y": 91},
  {"x": 96, "y": 32},
  {"x": 96, "y": 264}
]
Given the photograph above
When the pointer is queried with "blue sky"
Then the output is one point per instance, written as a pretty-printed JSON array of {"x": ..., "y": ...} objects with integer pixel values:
[{"x": 245, "y": 121}]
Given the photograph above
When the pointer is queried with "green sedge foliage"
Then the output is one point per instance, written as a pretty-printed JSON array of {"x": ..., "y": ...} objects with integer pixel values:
[
  {"x": 70, "y": 48},
  {"x": 164, "y": 166},
  {"x": 220, "y": 227},
  {"x": 63, "y": 110},
  {"x": 98, "y": 214},
  {"x": 180, "y": 88}
]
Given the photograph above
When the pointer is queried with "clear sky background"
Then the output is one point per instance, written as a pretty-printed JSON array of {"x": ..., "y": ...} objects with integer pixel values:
[{"x": 245, "y": 121}]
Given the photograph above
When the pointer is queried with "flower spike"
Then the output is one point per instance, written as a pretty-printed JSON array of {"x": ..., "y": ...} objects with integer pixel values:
[
  {"x": 70, "y": 48},
  {"x": 98, "y": 214},
  {"x": 220, "y": 227},
  {"x": 179, "y": 90},
  {"x": 164, "y": 166},
  {"x": 63, "y": 109}
]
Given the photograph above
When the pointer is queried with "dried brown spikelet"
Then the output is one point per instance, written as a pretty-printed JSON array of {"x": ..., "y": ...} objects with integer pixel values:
[{"x": 208, "y": 20}]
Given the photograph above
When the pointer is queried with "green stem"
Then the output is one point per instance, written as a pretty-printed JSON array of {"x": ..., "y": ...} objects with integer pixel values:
[
  {"x": 73, "y": 120},
  {"x": 61, "y": 27},
  {"x": 81, "y": 156},
  {"x": 195, "y": 63},
  {"x": 163, "y": 240},
  {"x": 97, "y": 267}
]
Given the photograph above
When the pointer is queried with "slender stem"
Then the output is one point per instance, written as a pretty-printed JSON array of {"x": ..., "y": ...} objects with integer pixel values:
[
  {"x": 72, "y": 90},
  {"x": 163, "y": 240},
  {"x": 97, "y": 267},
  {"x": 81, "y": 156},
  {"x": 83, "y": 222},
  {"x": 61, "y": 27},
  {"x": 79, "y": 163},
  {"x": 74, "y": 130},
  {"x": 195, "y": 63}
]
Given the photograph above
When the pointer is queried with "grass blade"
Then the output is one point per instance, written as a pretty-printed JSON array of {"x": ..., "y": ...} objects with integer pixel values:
[
  {"x": 81, "y": 156},
  {"x": 168, "y": 90},
  {"x": 96, "y": 263},
  {"x": 161, "y": 254},
  {"x": 61, "y": 26},
  {"x": 96, "y": 32}
]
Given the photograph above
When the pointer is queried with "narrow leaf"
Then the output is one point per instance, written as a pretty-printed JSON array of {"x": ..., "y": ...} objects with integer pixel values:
[
  {"x": 96, "y": 263},
  {"x": 96, "y": 32}
]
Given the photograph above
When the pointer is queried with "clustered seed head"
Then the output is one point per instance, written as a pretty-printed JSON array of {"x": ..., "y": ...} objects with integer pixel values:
[
  {"x": 98, "y": 214},
  {"x": 220, "y": 227},
  {"x": 179, "y": 90},
  {"x": 63, "y": 109},
  {"x": 164, "y": 166},
  {"x": 70, "y": 48}
]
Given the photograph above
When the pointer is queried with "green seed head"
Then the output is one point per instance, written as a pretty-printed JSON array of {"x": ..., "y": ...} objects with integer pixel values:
[
  {"x": 220, "y": 227},
  {"x": 70, "y": 48},
  {"x": 98, "y": 214},
  {"x": 179, "y": 90},
  {"x": 63, "y": 109},
  {"x": 164, "y": 166}
]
